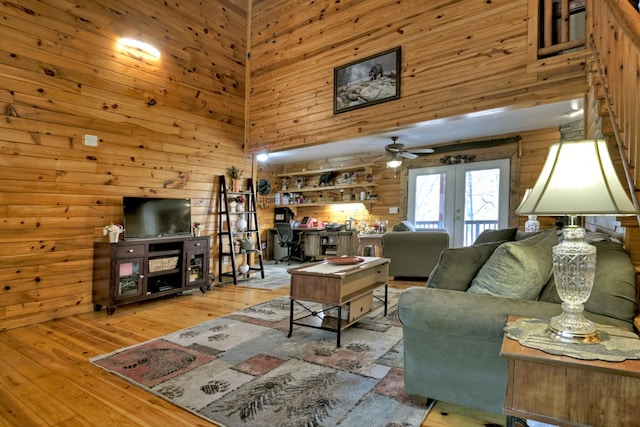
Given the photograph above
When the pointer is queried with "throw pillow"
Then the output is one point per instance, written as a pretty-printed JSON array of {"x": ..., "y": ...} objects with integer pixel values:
[
  {"x": 504, "y": 234},
  {"x": 403, "y": 226},
  {"x": 458, "y": 266},
  {"x": 517, "y": 269}
]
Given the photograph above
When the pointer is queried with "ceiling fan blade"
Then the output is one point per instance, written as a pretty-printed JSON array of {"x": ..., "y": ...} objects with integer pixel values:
[
  {"x": 407, "y": 155},
  {"x": 423, "y": 150}
]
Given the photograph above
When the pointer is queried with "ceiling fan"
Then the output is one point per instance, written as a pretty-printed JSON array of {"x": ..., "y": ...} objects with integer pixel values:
[{"x": 397, "y": 151}]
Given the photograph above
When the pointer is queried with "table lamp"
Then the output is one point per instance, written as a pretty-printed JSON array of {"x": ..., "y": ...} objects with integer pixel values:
[{"x": 578, "y": 178}]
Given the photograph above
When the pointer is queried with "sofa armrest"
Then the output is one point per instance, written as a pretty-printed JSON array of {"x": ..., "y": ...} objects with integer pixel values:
[
  {"x": 474, "y": 315},
  {"x": 465, "y": 314}
]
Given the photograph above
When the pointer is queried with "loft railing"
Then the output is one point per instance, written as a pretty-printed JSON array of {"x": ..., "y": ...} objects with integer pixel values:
[
  {"x": 615, "y": 42},
  {"x": 562, "y": 26}
]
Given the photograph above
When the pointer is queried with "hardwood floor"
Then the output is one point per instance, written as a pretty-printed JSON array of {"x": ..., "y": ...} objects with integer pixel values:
[{"x": 46, "y": 379}]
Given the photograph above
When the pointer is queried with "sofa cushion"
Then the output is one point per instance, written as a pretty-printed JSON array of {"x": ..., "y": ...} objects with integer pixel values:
[
  {"x": 458, "y": 266},
  {"x": 403, "y": 226},
  {"x": 504, "y": 234},
  {"x": 614, "y": 289},
  {"x": 517, "y": 269}
]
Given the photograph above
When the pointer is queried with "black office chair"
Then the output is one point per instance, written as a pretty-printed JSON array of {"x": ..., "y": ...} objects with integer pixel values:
[{"x": 292, "y": 241}]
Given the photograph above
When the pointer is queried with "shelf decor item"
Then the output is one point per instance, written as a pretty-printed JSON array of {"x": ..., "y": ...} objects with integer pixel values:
[
  {"x": 532, "y": 224},
  {"x": 235, "y": 174},
  {"x": 239, "y": 203},
  {"x": 243, "y": 268},
  {"x": 578, "y": 178},
  {"x": 197, "y": 228},
  {"x": 162, "y": 264},
  {"x": 247, "y": 244},
  {"x": 241, "y": 224},
  {"x": 113, "y": 230}
]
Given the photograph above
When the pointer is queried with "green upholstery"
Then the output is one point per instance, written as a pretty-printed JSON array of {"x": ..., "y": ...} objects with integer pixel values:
[
  {"x": 517, "y": 269},
  {"x": 503, "y": 234},
  {"x": 403, "y": 226},
  {"x": 458, "y": 266},
  {"x": 452, "y": 339},
  {"x": 414, "y": 253}
]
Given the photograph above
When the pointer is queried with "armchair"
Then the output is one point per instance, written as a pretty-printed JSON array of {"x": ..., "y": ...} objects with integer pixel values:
[{"x": 414, "y": 253}]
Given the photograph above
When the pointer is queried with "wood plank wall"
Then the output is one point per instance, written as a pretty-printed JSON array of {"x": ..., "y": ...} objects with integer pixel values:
[
  {"x": 457, "y": 58},
  {"x": 165, "y": 129},
  {"x": 169, "y": 128}
]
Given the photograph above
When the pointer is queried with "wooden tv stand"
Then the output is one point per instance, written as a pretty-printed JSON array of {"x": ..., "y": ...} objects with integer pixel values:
[{"x": 137, "y": 270}]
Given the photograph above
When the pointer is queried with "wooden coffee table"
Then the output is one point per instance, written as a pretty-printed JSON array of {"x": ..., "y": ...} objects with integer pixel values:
[
  {"x": 566, "y": 391},
  {"x": 337, "y": 286}
]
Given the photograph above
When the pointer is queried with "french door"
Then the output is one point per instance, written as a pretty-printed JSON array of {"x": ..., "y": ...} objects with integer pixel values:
[{"x": 464, "y": 198}]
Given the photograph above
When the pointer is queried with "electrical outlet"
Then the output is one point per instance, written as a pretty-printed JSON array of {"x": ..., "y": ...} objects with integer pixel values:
[
  {"x": 393, "y": 210},
  {"x": 225, "y": 260}
]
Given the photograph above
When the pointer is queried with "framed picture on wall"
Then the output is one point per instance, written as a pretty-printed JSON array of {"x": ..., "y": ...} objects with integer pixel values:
[{"x": 368, "y": 81}]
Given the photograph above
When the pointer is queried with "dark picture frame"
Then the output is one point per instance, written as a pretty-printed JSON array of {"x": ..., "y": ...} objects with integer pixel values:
[{"x": 367, "y": 81}]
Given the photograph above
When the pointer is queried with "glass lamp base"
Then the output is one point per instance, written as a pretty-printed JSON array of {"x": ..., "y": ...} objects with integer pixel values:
[
  {"x": 574, "y": 267},
  {"x": 573, "y": 337}
]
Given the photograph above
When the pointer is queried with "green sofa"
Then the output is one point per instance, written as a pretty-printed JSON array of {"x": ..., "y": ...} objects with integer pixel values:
[{"x": 453, "y": 336}]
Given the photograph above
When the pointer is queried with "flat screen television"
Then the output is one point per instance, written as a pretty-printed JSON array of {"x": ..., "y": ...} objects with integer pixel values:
[{"x": 146, "y": 218}]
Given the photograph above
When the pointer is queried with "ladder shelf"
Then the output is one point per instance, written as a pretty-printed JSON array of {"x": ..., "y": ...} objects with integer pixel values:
[{"x": 234, "y": 226}]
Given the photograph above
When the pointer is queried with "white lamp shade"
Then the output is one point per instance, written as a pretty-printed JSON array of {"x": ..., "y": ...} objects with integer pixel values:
[{"x": 578, "y": 178}]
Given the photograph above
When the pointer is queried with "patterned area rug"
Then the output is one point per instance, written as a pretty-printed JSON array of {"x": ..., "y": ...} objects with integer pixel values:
[
  {"x": 275, "y": 276},
  {"x": 242, "y": 370}
]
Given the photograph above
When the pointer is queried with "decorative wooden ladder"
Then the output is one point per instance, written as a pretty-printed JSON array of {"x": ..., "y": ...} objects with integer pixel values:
[{"x": 229, "y": 234}]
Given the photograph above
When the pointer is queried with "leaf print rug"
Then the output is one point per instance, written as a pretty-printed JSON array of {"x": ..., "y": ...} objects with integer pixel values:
[{"x": 242, "y": 370}]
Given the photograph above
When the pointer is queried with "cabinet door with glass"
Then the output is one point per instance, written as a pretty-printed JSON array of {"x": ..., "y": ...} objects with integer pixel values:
[
  {"x": 129, "y": 278},
  {"x": 197, "y": 262}
]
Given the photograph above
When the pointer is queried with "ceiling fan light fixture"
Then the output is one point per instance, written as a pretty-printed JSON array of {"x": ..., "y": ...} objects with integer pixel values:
[{"x": 394, "y": 162}]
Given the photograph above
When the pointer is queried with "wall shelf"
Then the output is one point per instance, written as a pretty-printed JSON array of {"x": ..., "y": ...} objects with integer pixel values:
[
  {"x": 328, "y": 203},
  {"x": 365, "y": 185},
  {"x": 361, "y": 166},
  {"x": 317, "y": 190}
]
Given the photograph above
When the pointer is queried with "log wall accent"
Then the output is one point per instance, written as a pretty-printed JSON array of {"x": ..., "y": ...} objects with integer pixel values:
[
  {"x": 165, "y": 129},
  {"x": 457, "y": 58}
]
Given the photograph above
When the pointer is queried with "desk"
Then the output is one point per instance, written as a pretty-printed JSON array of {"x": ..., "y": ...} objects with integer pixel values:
[
  {"x": 318, "y": 242},
  {"x": 339, "y": 286},
  {"x": 570, "y": 392}
]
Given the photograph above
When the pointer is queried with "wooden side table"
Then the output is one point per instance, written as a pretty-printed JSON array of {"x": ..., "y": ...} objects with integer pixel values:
[{"x": 570, "y": 392}]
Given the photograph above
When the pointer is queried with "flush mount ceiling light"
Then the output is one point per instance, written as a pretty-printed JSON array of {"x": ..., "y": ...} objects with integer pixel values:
[
  {"x": 138, "y": 49},
  {"x": 262, "y": 157}
]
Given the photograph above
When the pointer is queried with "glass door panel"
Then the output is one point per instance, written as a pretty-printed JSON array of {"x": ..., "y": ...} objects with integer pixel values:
[
  {"x": 196, "y": 271},
  {"x": 464, "y": 199},
  {"x": 128, "y": 278},
  {"x": 429, "y": 209},
  {"x": 481, "y": 202}
]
